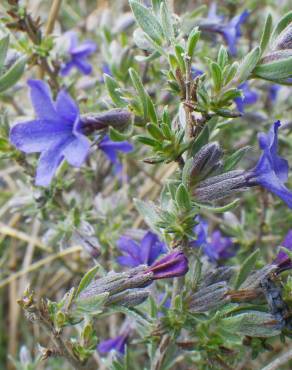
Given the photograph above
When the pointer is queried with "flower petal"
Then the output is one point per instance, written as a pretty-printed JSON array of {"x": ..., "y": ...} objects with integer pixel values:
[
  {"x": 36, "y": 136},
  {"x": 42, "y": 100},
  {"x": 49, "y": 162},
  {"x": 83, "y": 66},
  {"x": 66, "y": 108},
  {"x": 84, "y": 49},
  {"x": 66, "y": 68},
  {"x": 77, "y": 150},
  {"x": 271, "y": 182}
]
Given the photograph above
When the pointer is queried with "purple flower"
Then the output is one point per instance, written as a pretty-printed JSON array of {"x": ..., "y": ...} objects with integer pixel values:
[
  {"x": 283, "y": 260},
  {"x": 55, "y": 133},
  {"x": 111, "y": 149},
  {"x": 195, "y": 72},
  {"x": 78, "y": 55},
  {"x": 271, "y": 171},
  {"x": 146, "y": 253},
  {"x": 229, "y": 31},
  {"x": 172, "y": 265},
  {"x": 217, "y": 248},
  {"x": 249, "y": 97},
  {"x": 273, "y": 92},
  {"x": 117, "y": 344}
]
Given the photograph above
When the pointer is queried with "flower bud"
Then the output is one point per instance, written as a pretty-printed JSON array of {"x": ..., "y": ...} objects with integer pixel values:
[
  {"x": 253, "y": 324},
  {"x": 223, "y": 273},
  {"x": 276, "y": 55},
  {"x": 129, "y": 298},
  {"x": 209, "y": 298},
  {"x": 221, "y": 186},
  {"x": 206, "y": 161},
  {"x": 284, "y": 40},
  {"x": 119, "y": 119},
  {"x": 118, "y": 282},
  {"x": 172, "y": 265}
]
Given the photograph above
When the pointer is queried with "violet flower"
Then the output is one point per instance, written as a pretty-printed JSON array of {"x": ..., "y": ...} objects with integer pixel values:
[
  {"x": 172, "y": 265},
  {"x": 146, "y": 253},
  {"x": 273, "y": 92},
  {"x": 77, "y": 55},
  {"x": 56, "y": 132},
  {"x": 249, "y": 97},
  {"x": 282, "y": 260},
  {"x": 218, "y": 247},
  {"x": 271, "y": 171},
  {"x": 230, "y": 31},
  {"x": 111, "y": 148},
  {"x": 117, "y": 344}
]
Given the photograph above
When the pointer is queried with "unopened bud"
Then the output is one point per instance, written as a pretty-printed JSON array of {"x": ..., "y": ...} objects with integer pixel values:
[
  {"x": 253, "y": 324},
  {"x": 119, "y": 119},
  {"x": 221, "y": 186},
  {"x": 205, "y": 162},
  {"x": 173, "y": 265},
  {"x": 276, "y": 55},
  {"x": 209, "y": 298},
  {"x": 129, "y": 298},
  {"x": 118, "y": 282},
  {"x": 284, "y": 40}
]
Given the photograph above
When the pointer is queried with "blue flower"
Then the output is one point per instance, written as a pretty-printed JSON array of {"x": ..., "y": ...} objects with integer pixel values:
[
  {"x": 146, "y": 253},
  {"x": 282, "y": 260},
  {"x": 249, "y": 97},
  {"x": 273, "y": 92},
  {"x": 117, "y": 344},
  {"x": 195, "y": 72},
  {"x": 111, "y": 148},
  {"x": 77, "y": 55},
  {"x": 218, "y": 247},
  {"x": 230, "y": 31},
  {"x": 56, "y": 132},
  {"x": 172, "y": 265},
  {"x": 271, "y": 171}
]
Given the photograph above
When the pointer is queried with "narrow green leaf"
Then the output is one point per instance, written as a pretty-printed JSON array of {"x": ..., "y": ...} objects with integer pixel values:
[
  {"x": 230, "y": 94},
  {"x": 14, "y": 73},
  {"x": 222, "y": 58},
  {"x": 179, "y": 52},
  {"x": 230, "y": 72},
  {"x": 86, "y": 280},
  {"x": 277, "y": 70},
  {"x": 148, "y": 212},
  {"x": 187, "y": 171},
  {"x": 155, "y": 131},
  {"x": 201, "y": 140},
  {"x": 248, "y": 64},
  {"x": 147, "y": 21},
  {"x": 247, "y": 266},
  {"x": 147, "y": 140},
  {"x": 166, "y": 21},
  {"x": 192, "y": 41},
  {"x": 182, "y": 197},
  {"x": 234, "y": 158},
  {"x": 265, "y": 39},
  {"x": 112, "y": 88},
  {"x": 281, "y": 25},
  {"x": 216, "y": 73},
  {"x": 4, "y": 42},
  {"x": 140, "y": 90},
  {"x": 116, "y": 135},
  {"x": 222, "y": 209}
]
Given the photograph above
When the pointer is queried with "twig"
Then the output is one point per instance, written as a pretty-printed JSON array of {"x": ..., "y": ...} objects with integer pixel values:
[
  {"x": 161, "y": 353},
  {"x": 54, "y": 11},
  {"x": 37, "y": 265},
  {"x": 10, "y": 231},
  {"x": 274, "y": 365}
]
